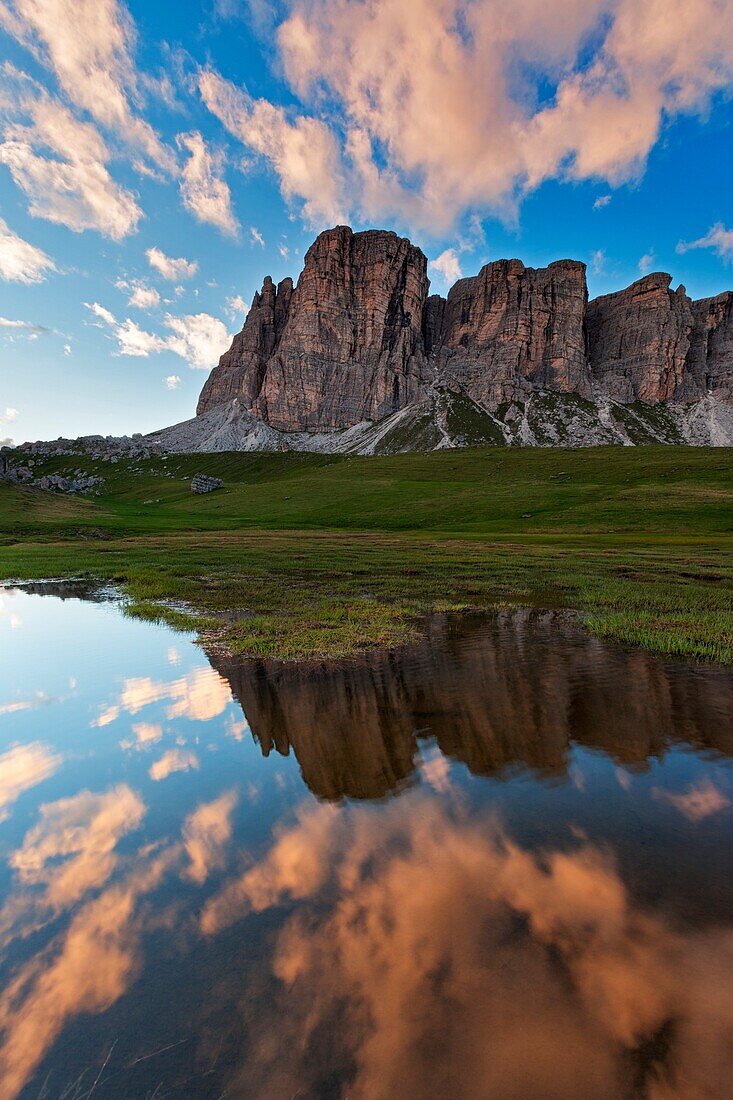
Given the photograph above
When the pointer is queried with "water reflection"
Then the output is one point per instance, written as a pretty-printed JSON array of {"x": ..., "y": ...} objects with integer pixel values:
[
  {"x": 544, "y": 909},
  {"x": 452, "y": 962},
  {"x": 512, "y": 691}
]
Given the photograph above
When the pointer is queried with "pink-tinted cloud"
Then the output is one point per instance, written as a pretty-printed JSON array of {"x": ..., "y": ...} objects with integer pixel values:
[
  {"x": 427, "y": 114},
  {"x": 698, "y": 801},
  {"x": 450, "y": 961},
  {"x": 206, "y": 833}
]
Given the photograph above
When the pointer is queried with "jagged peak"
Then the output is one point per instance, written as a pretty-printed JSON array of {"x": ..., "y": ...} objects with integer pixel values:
[{"x": 360, "y": 336}]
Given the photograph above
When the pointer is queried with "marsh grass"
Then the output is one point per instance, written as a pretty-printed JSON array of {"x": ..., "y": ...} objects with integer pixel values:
[{"x": 302, "y": 556}]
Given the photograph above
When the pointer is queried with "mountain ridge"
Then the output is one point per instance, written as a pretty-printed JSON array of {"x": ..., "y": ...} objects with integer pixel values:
[{"x": 359, "y": 338}]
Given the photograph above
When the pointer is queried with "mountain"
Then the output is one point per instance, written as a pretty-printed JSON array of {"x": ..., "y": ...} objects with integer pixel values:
[{"x": 358, "y": 356}]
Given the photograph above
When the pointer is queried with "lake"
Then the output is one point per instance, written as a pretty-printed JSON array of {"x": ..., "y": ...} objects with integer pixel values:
[{"x": 492, "y": 865}]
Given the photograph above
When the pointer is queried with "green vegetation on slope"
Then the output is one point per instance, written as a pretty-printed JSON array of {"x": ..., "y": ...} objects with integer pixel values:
[{"x": 313, "y": 554}]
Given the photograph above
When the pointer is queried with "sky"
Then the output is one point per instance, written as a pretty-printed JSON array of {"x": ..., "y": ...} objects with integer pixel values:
[{"x": 157, "y": 160}]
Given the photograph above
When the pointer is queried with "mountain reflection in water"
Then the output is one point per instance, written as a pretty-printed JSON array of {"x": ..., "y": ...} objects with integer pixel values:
[
  {"x": 512, "y": 691},
  {"x": 542, "y": 909}
]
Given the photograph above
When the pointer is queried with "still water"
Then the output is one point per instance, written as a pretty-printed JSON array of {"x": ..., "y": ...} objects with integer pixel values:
[{"x": 495, "y": 866}]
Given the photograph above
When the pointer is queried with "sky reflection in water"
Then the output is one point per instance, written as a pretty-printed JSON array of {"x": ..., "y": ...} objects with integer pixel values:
[{"x": 495, "y": 865}]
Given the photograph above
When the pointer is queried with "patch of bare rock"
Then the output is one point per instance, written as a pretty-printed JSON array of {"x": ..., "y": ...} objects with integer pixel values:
[{"x": 202, "y": 483}]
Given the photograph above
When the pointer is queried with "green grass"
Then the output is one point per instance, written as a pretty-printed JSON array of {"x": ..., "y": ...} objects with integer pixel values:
[{"x": 303, "y": 555}]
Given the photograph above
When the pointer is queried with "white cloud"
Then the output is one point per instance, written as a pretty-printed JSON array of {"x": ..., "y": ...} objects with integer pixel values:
[
  {"x": 198, "y": 338},
  {"x": 67, "y": 349},
  {"x": 106, "y": 715},
  {"x": 146, "y": 733},
  {"x": 101, "y": 312},
  {"x": 447, "y": 267},
  {"x": 718, "y": 238},
  {"x": 256, "y": 237},
  {"x": 598, "y": 262},
  {"x": 547, "y": 951},
  {"x": 136, "y": 342},
  {"x": 283, "y": 250},
  {"x": 20, "y": 261},
  {"x": 72, "y": 848},
  {"x": 140, "y": 295},
  {"x": 448, "y": 112},
  {"x": 698, "y": 802},
  {"x": 10, "y": 414},
  {"x": 88, "y": 45},
  {"x": 131, "y": 339},
  {"x": 646, "y": 262},
  {"x": 304, "y": 153},
  {"x": 60, "y": 164},
  {"x": 601, "y": 201},
  {"x": 170, "y": 268},
  {"x": 22, "y": 327},
  {"x": 176, "y": 760},
  {"x": 203, "y": 190},
  {"x": 172, "y": 381},
  {"x": 200, "y": 696},
  {"x": 237, "y": 307},
  {"x": 84, "y": 969},
  {"x": 144, "y": 297}
]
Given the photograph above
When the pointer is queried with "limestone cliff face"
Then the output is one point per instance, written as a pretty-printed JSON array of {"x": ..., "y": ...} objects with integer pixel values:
[
  {"x": 511, "y": 329},
  {"x": 359, "y": 338},
  {"x": 344, "y": 346},
  {"x": 639, "y": 339},
  {"x": 241, "y": 370},
  {"x": 710, "y": 359}
]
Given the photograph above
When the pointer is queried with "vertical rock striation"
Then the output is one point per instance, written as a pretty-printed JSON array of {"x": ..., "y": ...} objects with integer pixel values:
[
  {"x": 639, "y": 339},
  {"x": 512, "y": 328},
  {"x": 359, "y": 338},
  {"x": 344, "y": 346},
  {"x": 241, "y": 370},
  {"x": 710, "y": 359}
]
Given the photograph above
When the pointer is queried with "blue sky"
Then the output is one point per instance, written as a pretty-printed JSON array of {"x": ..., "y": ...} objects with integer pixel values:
[{"x": 157, "y": 160}]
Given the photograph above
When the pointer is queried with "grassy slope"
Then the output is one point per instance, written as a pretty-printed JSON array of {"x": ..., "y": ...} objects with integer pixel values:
[{"x": 325, "y": 554}]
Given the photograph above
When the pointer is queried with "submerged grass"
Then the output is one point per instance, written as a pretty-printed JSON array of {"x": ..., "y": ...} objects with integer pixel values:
[{"x": 305, "y": 555}]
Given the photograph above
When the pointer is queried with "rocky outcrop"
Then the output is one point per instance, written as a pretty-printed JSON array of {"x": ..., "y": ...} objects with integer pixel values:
[
  {"x": 344, "y": 346},
  {"x": 639, "y": 340},
  {"x": 241, "y": 370},
  {"x": 710, "y": 358},
  {"x": 358, "y": 342},
  {"x": 512, "y": 329},
  {"x": 202, "y": 483},
  {"x": 78, "y": 483}
]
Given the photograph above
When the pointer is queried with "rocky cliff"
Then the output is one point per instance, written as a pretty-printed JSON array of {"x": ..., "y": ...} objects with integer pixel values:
[
  {"x": 344, "y": 346},
  {"x": 710, "y": 357},
  {"x": 639, "y": 339},
  {"x": 241, "y": 370},
  {"x": 358, "y": 340},
  {"x": 512, "y": 329}
]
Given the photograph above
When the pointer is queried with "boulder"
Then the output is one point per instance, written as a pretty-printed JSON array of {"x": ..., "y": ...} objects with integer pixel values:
[{"x": 202, "y": 483}]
